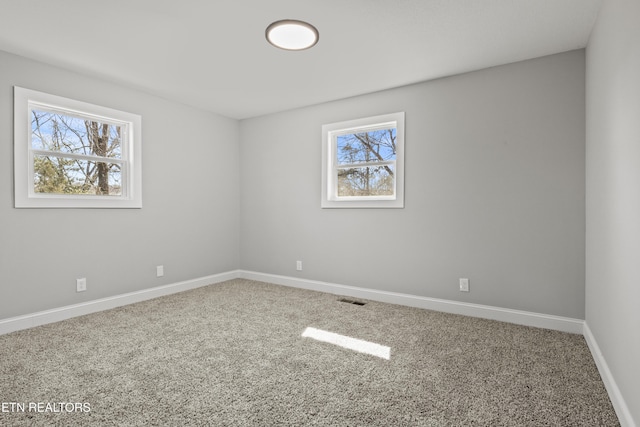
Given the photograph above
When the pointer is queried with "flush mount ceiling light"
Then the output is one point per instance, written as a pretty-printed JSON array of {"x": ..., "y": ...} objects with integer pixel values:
[{"x": 290, "y": 34}]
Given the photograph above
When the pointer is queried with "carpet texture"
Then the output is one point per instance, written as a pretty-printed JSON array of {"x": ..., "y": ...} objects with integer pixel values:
[{"x": 232, "y": 354}]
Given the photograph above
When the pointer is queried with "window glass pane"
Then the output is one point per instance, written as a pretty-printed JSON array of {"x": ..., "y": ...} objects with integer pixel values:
[
  {"x": 59, "y": 175},
  {"x": 366, "y": 181},
  {"x": 68, "y": 134},
  {"x": 373, "y": 146}
]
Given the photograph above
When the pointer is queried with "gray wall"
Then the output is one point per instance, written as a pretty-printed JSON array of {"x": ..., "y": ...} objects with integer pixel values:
[
  {"x": 494, "y": 191},
  {"x": 189, "y": 221},
  {"x": 613, "y": 195}
]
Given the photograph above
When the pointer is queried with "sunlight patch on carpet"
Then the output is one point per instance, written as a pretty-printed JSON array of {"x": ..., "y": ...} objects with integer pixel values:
[{"x": 350, "y": 343}]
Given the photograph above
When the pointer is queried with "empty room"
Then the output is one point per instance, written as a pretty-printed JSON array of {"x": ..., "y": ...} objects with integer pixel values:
[{"x": 331, "y": 213}]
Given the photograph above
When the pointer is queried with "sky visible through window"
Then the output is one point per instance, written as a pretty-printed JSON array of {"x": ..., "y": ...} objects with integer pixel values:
[
  {"x": 366, "y": 163},
  {"x": 365, "y": 147},
  {"x": 66, "y": 154}
]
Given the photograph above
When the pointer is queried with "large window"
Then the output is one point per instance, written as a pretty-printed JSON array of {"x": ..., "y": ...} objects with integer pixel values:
[
  {"x": 363, "y": 163},
  {"x": 74, "y": 154}
]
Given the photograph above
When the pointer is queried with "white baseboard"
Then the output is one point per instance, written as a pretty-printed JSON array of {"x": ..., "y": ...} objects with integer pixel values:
[
  {"x": 618, "y": 402},
  {"x": 57, "y": 314},
  {"x": 546, "y": 321}
]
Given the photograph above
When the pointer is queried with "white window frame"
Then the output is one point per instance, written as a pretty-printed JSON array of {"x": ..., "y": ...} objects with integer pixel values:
[
  {"x": 25, "y": 100},
  {"x": 330, "y": 132}
]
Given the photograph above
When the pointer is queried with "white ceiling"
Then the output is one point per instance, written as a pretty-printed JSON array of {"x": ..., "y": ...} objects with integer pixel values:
[{"x": 212, "y": 54}]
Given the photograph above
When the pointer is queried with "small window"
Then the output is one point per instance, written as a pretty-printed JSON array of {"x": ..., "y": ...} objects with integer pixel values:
[
  {"x": 71, "y": 154},
  {"x": 363, "y": 163}
]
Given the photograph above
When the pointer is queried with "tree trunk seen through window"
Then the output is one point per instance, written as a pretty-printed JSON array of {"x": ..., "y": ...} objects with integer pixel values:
[{"x": 98, "y": 140}]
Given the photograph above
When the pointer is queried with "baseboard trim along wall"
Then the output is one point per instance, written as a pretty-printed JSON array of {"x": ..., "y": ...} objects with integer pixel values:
[
  {"x": 57, "y": 314},
  {"x": 546, "y": 321},
  {"x": 619, "y": 404},
  {"x": 519, "y": 317}
]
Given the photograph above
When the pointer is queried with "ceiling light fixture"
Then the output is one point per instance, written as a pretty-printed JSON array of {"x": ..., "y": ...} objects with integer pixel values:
[{"x": 290, "y": 34}]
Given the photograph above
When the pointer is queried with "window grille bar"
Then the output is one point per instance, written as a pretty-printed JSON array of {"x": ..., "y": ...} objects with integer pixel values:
[{"x": 74, "y": 156}]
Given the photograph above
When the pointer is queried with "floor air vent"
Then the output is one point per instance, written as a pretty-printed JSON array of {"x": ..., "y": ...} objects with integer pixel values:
[{"x": 350, "y": 301}]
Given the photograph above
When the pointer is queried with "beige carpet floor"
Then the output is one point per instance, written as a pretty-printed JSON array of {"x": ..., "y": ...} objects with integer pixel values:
[{"x": 233, "y": 354}]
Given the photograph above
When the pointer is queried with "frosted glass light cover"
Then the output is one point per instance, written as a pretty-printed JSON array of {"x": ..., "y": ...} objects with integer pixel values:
[{"x": 292, "y": 35}]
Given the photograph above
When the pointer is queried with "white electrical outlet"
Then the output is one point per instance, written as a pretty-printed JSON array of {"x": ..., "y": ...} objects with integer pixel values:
[
  {"x": 464, "y": 285},
  {"x": 160, "y": 271},
  {"x": 81, "y": 285},
  {"x": 299, "y": 265}
]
